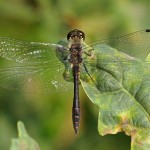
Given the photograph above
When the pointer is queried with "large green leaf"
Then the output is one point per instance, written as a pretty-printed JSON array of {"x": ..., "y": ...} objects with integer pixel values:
[
  {"x": 122, "y": 93},
  {"x": 24, "y": 141}
]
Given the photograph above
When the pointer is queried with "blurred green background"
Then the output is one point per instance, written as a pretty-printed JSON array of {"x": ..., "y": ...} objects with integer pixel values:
[{"x": 48, "y": 118}]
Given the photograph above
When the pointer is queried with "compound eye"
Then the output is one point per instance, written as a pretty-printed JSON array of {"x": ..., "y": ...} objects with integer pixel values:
[
  {"x": 75, "y": 33},
  {"x": 82, "y": 35},
  {"x": 69, "y": 35}
]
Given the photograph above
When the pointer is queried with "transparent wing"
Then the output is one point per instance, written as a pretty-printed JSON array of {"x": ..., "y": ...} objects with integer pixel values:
[
  {"x": 30, "y": 52},
  {"x": 31, "y": 66},
  {"x": 135, "y": 44}
]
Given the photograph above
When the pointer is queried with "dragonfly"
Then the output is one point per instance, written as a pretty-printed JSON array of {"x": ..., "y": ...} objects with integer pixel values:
[{"x": 48, "y": 68}]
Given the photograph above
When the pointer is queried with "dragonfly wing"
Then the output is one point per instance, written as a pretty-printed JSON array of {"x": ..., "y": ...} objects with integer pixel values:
[
  {"x": 31, "y": 66},
  {"x": 32, "y": 79},
  {"x": 23, "y": 51},
  {"x": 136, "y": 44}
]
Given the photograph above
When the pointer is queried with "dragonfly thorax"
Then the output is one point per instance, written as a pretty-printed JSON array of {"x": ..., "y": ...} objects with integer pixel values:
[{"x": 75, "y": 54}]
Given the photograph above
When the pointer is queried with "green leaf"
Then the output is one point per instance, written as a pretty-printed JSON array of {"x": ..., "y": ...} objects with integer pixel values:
[
  {"x": 24, "y": 141},
  {"x": 121, "y": 90}
]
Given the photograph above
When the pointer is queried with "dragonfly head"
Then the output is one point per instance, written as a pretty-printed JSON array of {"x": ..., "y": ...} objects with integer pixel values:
[{"x": 75, "y": 35}]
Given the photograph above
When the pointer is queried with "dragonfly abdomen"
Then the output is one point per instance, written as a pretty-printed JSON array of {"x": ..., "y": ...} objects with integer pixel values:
[
  {"x": 76, "y": 118},
  {"x": 76, "y": 104}
]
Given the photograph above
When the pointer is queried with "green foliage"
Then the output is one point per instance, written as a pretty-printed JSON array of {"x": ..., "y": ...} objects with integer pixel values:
[
  {"x": 24, "y": 141},
  {"x": 122, "y": 95}
]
